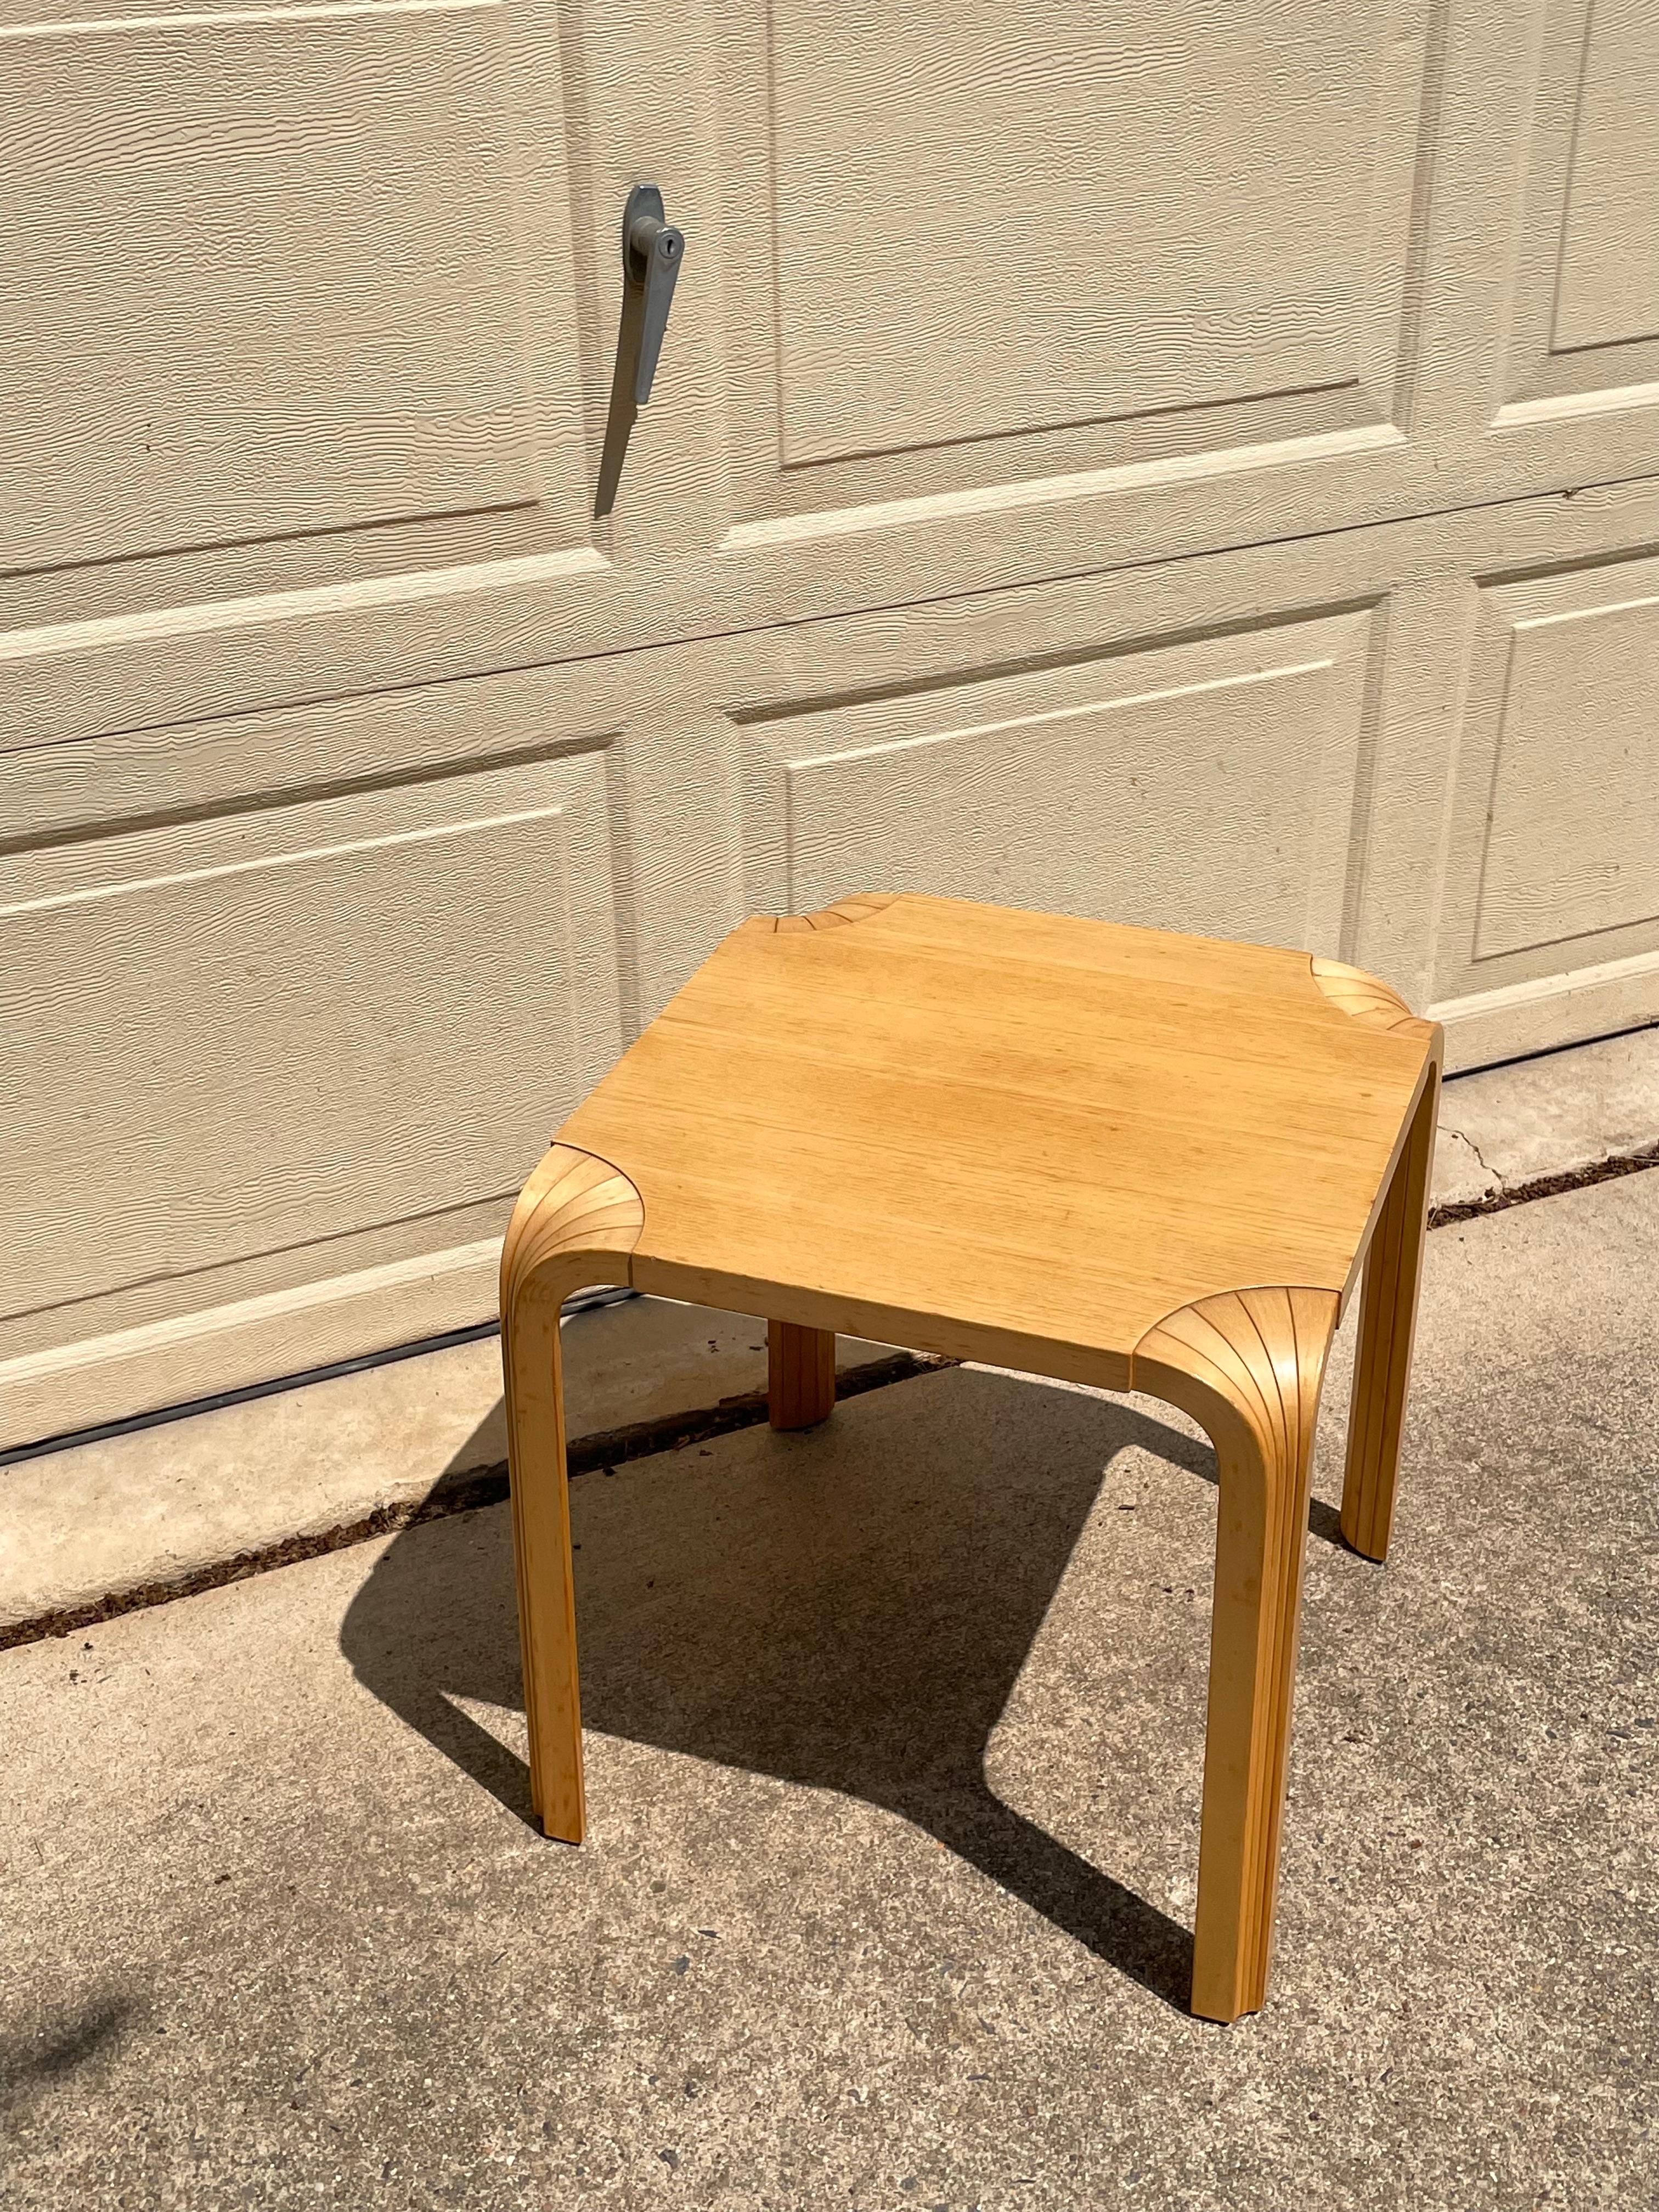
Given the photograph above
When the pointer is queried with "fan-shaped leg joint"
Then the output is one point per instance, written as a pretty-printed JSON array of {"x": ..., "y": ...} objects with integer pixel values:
[
  {"x": 1248, "y": 1364},
  {"x": 576, "y": 1223}
]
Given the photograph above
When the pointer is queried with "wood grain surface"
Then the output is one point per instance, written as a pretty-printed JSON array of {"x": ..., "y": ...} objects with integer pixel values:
[
  {"x": 1105, "y": 1154},
  {"x": 575, "y": 1222},
  {"x": 1001, "y": 1136},
  {"x": 800, "y": 1375}
]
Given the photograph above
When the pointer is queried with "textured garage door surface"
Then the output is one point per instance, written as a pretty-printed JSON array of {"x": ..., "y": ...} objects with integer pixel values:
[{"x": 1189, "y": 464}]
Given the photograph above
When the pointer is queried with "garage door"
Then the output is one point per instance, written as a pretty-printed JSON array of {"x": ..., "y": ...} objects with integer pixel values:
[{"x": 1186, "y": 463}]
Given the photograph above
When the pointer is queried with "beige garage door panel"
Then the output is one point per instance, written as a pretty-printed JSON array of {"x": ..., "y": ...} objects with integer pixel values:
[
  {"x": 212, "y": 344},
  {"x": 1608, "y": 292},
  {"x": 1572, "y": 841},
  {"x": 1587, "y": 274},
  {"x": 289, "y": 308},
  {"x": 1578, "y": 377},
  {"x": 1274, "y": 273},
  {"x": 1207, "y": 786},
  {"x": 937, "y": 285},
  {"x": 278, "y": 1028},
  {"x": 286, "y": 1041},
  {"x": 1017, "y": 292},
  {"x": 1549, "y": 926}
]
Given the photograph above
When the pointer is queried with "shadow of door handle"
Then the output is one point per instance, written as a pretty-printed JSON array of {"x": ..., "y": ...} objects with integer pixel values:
[{"x": 653, "y": 250}]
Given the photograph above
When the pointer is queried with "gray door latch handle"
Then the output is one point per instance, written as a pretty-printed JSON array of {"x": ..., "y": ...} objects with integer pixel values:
[{"x": 652, "y": 253}]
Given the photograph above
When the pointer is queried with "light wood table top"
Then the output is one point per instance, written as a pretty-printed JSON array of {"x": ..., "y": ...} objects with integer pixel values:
[
  {"x": 1008, "y": 1136},
  {"x": 1105, "y": 1154}
]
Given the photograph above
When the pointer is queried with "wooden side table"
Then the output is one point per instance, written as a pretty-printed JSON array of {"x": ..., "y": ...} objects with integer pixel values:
[{"x": 1120, "y": 1157}]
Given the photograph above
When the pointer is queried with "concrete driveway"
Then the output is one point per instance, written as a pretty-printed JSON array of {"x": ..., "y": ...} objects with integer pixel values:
[{"x": 895, "y": 1737}]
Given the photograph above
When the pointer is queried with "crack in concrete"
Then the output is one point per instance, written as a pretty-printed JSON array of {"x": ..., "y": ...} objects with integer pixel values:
[
  {"x": 1550, "y": 1185},
  {"x": 1496, "y": 1174}
]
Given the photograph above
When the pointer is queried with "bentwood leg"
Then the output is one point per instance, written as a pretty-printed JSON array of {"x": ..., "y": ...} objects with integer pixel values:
[
  {"x": 800, "y": 1375},
  {"x": 1388, "y": 1323},
  {"x": 1258, "y": 1357},
  {"x": 542, "y": 1558},
  {"x": 575, "y": 1220}
]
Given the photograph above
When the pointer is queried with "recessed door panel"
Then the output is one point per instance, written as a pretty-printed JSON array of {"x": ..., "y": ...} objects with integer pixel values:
[
  {"x": 1002, "y": 243},
  {"x": 1608, "y": 291},
  {"x": 1555, "y": 851},
  {"x": 261, "y": 278},
  {"x": 1207, "y": 786},
  {"x": 279, "y": 1026},
  {"x": 991, "y": 222},
  {"x": 1579, "y": 373}
]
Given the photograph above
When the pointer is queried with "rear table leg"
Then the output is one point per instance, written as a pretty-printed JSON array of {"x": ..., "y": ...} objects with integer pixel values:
[
  {"x": 1388, "y": 1323},
  {"x": 800, "y": 1375}
]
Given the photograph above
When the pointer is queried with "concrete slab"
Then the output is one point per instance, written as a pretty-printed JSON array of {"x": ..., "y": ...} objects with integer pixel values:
[
  {"x": 1502, "y": 1129},
  {"x": 894, "y": 1738},
  {"x": 161, "y": 1502}
]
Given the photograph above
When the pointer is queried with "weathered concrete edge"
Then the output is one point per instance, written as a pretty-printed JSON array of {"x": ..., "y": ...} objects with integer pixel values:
[
  {"x": 464, "y": 1491},
  {"x": 1505, "y": 1129},
  {"x": 459, "y": 1493},
  {"x": 1549, "y": 1186}
]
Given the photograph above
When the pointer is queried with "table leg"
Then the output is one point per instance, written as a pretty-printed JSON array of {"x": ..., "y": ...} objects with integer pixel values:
[
  {"x": 544, "y": 1565},
  {"x": 800, "y": 1375},
  {"x": 1248, "y": 1364},
  {"x": 1387, "y": 1324},
  {"x": 576, "y": 1220}
]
